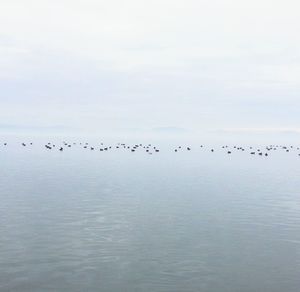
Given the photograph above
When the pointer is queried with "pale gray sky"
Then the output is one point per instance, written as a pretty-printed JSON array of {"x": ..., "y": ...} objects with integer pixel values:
[{"x": 203, "y": 65}]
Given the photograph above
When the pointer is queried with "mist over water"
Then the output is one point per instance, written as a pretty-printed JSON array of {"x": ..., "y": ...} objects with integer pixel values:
[
  {"x": 130, "y": 217},
  {"x": 82, "y": 220}
]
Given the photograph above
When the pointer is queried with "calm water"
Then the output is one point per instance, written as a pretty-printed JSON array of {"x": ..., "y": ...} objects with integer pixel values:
[{"x": 120, "y": 221}]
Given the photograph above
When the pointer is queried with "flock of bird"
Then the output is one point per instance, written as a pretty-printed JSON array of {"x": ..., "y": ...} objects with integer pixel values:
[{"x": 151, "y": 149}]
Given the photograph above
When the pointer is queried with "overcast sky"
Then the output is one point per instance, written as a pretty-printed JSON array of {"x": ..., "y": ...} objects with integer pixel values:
[{"x": 135, "y": 65}]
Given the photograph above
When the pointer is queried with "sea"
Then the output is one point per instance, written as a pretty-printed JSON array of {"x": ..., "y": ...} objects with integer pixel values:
[{"x": 168, "y": 221}]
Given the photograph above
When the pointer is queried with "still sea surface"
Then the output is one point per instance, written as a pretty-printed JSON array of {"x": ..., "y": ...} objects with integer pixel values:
[{"x": 82, "y": 220}]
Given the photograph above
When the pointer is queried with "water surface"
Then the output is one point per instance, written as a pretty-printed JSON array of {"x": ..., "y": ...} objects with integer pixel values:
[{"x": 120, "y": 221}]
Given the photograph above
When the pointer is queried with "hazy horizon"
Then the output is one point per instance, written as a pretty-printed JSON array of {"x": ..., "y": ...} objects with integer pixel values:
[{"x": 132, "y": 67}]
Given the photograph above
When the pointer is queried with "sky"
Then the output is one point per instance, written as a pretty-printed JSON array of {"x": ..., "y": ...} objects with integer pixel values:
[{"x": 93, "y": 66}]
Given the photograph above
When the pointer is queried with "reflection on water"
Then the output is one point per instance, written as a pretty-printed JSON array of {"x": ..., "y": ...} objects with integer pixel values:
[{"x": 87, "y": 221}]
